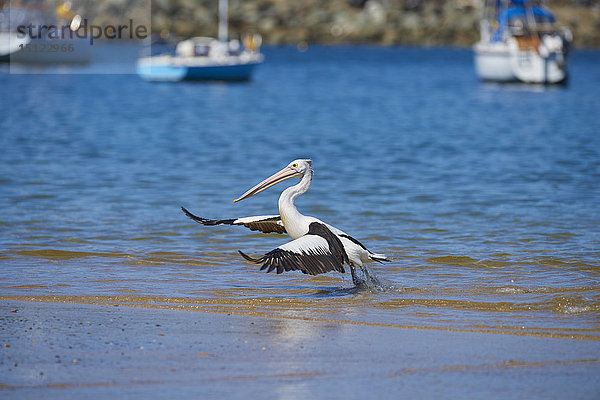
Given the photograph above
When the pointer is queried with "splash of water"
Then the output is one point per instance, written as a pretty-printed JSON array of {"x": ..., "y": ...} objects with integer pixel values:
[{"x": 365, "y": 278}]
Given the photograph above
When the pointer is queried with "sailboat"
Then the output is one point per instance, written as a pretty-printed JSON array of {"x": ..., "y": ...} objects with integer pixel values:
[
  {"x": 520, "y": 42},
  {"x": 205, "y": 58},
  {"x": 36, "y": 35}
]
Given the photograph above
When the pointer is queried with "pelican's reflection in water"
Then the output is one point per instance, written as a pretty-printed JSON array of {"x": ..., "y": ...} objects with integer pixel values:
[{"x": 304, "y": 352}]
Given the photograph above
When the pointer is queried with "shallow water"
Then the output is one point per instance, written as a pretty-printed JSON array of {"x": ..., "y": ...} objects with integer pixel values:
[{"x": 484, "y": 196}]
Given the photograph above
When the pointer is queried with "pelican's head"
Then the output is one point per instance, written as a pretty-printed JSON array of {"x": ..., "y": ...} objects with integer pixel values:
[
  {"x": 301, "y": 165},
  {"x": 295, "y": 169}
]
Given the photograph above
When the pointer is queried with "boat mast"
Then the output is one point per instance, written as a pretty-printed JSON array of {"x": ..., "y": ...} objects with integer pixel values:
[
  {"x": 223, "y": 28},
  {"x": 531, "y": 24},
  {"x": 489, "y": 18}
]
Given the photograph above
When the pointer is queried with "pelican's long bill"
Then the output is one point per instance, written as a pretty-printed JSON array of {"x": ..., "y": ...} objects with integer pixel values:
[{"x": 273, "y": 180}]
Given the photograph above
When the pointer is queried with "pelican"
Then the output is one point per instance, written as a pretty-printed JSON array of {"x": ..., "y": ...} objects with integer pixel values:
[{"x": 316, "y": 247}]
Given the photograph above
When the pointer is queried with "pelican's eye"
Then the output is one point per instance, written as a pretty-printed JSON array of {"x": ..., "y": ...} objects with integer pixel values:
[{"x": 295, "y": 165}]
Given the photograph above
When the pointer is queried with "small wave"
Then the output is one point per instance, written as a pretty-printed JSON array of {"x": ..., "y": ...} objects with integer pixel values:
[
  {"x": 573, "y": 305},
  {"x": 511, "y": 290},
  {"x": 453, "y": 260},
  {"x": 575, "y": 309},
  {"x": 62, "y": 254}
]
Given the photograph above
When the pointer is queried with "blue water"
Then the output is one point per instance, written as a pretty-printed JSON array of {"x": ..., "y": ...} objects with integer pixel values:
[{"x": 485, "y": 196}]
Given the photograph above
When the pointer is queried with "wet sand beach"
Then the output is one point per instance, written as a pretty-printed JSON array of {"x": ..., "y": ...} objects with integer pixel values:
[{"x": 78, "y": 348}]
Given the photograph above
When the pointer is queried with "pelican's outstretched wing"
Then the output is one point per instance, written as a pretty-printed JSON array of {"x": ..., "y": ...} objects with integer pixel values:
[
  {"x": 264, "y": 223},
  {"x": 317, "y": 252}
]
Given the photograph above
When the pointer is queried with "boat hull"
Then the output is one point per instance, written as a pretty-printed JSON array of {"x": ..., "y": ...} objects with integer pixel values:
[
  {"x": 152, "y": 70},
  {"x": 494, "y": 66},
  {"x": 506, "y": 65},
  {"x": 10, "y": 43},
  {"x": 53, "y": 51}
]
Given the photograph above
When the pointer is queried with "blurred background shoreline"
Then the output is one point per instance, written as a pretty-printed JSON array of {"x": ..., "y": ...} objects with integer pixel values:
[
  {"x": 385, "y": 22},
  {"x": 430, "y": 23}
]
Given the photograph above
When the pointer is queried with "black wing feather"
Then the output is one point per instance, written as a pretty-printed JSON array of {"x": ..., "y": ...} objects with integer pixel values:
[
  {"x": 205, "y": 221},
  {"x": 266, "y": 225}
]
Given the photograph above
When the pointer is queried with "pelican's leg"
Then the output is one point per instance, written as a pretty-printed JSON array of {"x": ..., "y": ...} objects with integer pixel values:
[
  {"x": 356, "y": 279},
  {"x": 366, "y": 273},
  {"x": 353, "y": 273}
]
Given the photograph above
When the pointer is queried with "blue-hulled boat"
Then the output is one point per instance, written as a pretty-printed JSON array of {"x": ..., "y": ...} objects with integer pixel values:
[
  {"x": 204, "y": 58},
  {"x": 201, "y": 58}
]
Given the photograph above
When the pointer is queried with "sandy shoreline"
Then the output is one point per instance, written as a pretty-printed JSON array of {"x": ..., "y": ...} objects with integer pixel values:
[{"x": 96, "y": 351}]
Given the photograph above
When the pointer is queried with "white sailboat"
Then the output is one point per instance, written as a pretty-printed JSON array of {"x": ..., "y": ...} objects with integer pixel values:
[
  {"x": 520, "y": 42},
  {"x": 205, "y": 58},
  {"x": 37, "y": 35}
]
